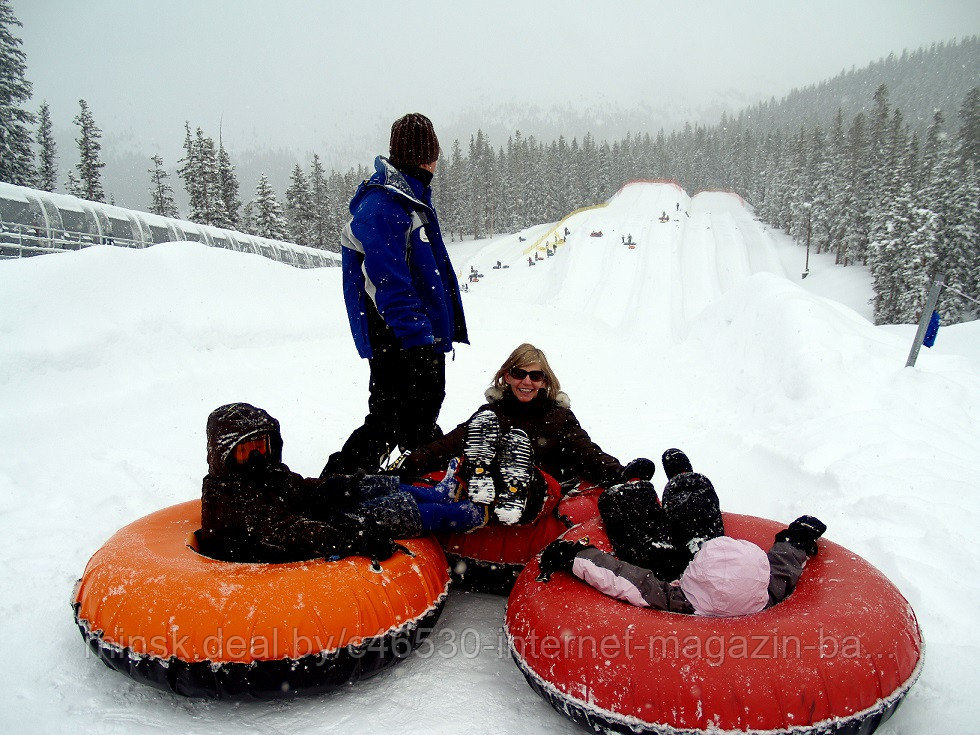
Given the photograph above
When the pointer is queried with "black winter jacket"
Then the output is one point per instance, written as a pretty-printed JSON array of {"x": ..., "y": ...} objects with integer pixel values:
[{"x": 276, "y": 515}]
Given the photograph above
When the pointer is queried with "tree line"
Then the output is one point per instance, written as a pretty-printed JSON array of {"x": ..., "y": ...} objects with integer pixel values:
[{"x": 871, "y": 188}]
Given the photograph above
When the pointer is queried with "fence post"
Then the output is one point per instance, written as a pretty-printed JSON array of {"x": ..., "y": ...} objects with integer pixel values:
[{"x": 927, "y": 310}]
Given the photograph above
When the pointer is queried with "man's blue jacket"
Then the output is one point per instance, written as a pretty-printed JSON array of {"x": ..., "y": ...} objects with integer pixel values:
[{"x": 394, "y": 255}]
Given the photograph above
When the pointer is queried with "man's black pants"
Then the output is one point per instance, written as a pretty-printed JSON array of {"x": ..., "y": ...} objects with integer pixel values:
[{"x": 407, "y": 389}]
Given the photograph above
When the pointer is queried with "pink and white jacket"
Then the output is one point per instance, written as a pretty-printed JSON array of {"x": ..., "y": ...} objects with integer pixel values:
[{"x": 727, "y": 579}]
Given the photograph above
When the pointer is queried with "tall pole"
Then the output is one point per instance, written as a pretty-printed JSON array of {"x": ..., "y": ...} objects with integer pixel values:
[
  {"x": 930, "y": 306},
  {"x": 806, "y": 270}
]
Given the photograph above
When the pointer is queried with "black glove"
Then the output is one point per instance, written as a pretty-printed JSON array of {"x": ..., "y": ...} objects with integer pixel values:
[
  {"x": 374, "y": 540},
  {"x": 343, "y": 490},
  {"x": 640, "y": 468},
  {"x": 803, "y": 534},
  {"x": 559, "y": 555}
]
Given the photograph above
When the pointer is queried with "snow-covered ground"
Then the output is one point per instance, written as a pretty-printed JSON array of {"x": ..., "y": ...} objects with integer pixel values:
[{"x": 703, "y": 336}]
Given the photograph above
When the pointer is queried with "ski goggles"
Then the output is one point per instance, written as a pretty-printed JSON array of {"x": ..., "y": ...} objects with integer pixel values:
[
  {"x": 520, "y": 373},
  {"x": 243, "y": 450}
]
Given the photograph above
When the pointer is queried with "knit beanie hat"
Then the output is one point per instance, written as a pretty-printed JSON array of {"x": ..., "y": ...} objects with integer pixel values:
[
  {"x": 727, "y": 577},
  {"x": 413, "y": 141}
]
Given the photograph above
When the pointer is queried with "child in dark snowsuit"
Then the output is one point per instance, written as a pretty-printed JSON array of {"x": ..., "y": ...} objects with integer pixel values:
[
  {"x": 254, "y": 509},
  {"x": 683, "y": 538}
]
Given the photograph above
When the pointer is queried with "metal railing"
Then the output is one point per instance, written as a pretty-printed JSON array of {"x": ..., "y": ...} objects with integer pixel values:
[{"x": 31, "y": 223}]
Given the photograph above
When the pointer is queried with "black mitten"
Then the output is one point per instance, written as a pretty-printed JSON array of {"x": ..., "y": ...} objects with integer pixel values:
[
  {"x": 558, "y": 556},
  {"x": 334, "y": 492},
  {"x": 374, "y": 540},
  {"x": 640, "y": 468},
  {"x": 803, "y": 534}
]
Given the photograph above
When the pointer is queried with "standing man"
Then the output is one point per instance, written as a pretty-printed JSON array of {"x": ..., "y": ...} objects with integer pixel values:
[{"x": 402, "y": 299}]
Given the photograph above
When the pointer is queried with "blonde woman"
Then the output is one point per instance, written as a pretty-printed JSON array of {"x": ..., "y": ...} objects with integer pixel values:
[{"x": 526, "y": 428}]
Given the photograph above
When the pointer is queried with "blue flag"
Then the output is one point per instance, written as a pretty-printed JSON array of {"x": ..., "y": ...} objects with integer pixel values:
[{"x": 930, "y": 339}]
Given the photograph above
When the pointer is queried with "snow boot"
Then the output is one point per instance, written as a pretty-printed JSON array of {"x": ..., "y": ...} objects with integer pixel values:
[
  {"x": 447, "y": 490},
  {"x": 461, "y": 517},
  {"x": 693, "y": 510},
  {"x": 479, "y": 450},
  {"x": 515, "y": 468},
  {"x": 449, "y": 485},
  {"x": 675, "y": 462}
]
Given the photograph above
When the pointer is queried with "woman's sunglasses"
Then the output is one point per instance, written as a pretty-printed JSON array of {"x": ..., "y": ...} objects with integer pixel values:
[{"x": 520, "y": 373}]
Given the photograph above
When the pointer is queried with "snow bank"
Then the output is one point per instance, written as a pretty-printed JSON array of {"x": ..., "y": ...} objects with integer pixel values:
[{"x": 702, "y": 337}]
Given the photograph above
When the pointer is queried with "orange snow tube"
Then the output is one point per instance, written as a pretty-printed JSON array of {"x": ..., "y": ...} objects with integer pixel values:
[
  {"x": 153, "y": 608},
  {"x": 490, "y": 558},
  {"x": 836, "y": 657}
]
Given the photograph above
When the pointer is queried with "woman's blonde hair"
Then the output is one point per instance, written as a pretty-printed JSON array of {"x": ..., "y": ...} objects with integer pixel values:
[{"x": 524, "y": 355}]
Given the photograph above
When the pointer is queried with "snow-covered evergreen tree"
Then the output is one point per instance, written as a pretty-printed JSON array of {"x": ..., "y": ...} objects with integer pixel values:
[
  {"x": 90, "y": 164},
  {"x": 931, "y": 151},
  {"x": 72, "y": 185},
  {"x": 247, "y": 221},
  {"x": 211, "y": 188},
  {"x": 969, "y": 133},
  {"x": 299, "y": 208},
  {"x": 340, "y": 187},
  {"x": 835, "y": 188},
  {"x": 228, "y": 188},
  {"x": 320, "y": 230},
  {"x": 186, "y": 166},
  {"x": 451, "y": 216},
  {"x": 478, "y": 180},
  {"x": 161, "y": 193},
  {"x": 269, "y": 218},
  {"x": 16, "y": 155},
  {"x": 47, "y": 166},
  {"x": 859, "y": 176},
  {"x": 212, "y": 209}
]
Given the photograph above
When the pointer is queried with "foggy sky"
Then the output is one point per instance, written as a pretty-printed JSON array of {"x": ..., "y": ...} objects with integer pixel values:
[{"x": 307, "y": 75}]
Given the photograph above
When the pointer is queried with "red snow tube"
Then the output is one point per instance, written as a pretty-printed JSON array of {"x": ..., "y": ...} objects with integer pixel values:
[
  {"x": 837, "y": 656},
  {"x": 153, "y": 608},
  {"x": 490, "y": 558}
]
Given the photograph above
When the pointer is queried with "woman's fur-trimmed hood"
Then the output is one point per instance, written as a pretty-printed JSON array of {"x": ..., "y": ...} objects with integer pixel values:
[{"x": 494, "y": 394}]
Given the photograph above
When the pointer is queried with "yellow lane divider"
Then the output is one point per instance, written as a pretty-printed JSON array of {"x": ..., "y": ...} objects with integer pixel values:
[{"x": 539, "y": 244}]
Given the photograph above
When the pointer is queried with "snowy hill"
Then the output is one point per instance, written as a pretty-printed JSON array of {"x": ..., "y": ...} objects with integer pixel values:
[{"x": 703, "y": 336}]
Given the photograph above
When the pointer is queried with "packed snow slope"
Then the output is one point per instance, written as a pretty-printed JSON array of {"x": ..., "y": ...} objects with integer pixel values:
[{"x": 703, "y": 336}]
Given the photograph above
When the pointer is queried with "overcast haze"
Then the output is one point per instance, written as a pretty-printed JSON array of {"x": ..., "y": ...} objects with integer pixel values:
[{"x": 330, "y": 76}]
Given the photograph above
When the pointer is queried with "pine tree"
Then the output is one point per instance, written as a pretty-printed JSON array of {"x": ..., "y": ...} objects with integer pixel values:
[
  {"x": 859, "y": 175},
  {"x": 337, "y": 212},
  {"x": 207, "y": 186},
  {"x": 211, "y": 209},
  {"x": 319, "y": 201},
  {"x": 186, "y": 165},
  {"x": 228, "y": 188},
  {"x": 161, "y": 193},
  {"x": 247, "y": 221},
  {"x": 269, "y": 219},
  {"x": 969, "y": 134},
  {"x": 933, "y": 146},
  {"x": 904, "y": 255},
  {"x": 840, "y": 197},
  {"x": 299, "y": 208},
  {"x": 16, "y": 155},
  {"x": 90, "y": 165},
  {"x": 72, "y": 185},
  {"x": 455, "y": 195},
  {"x": 47, "y": 169}
]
